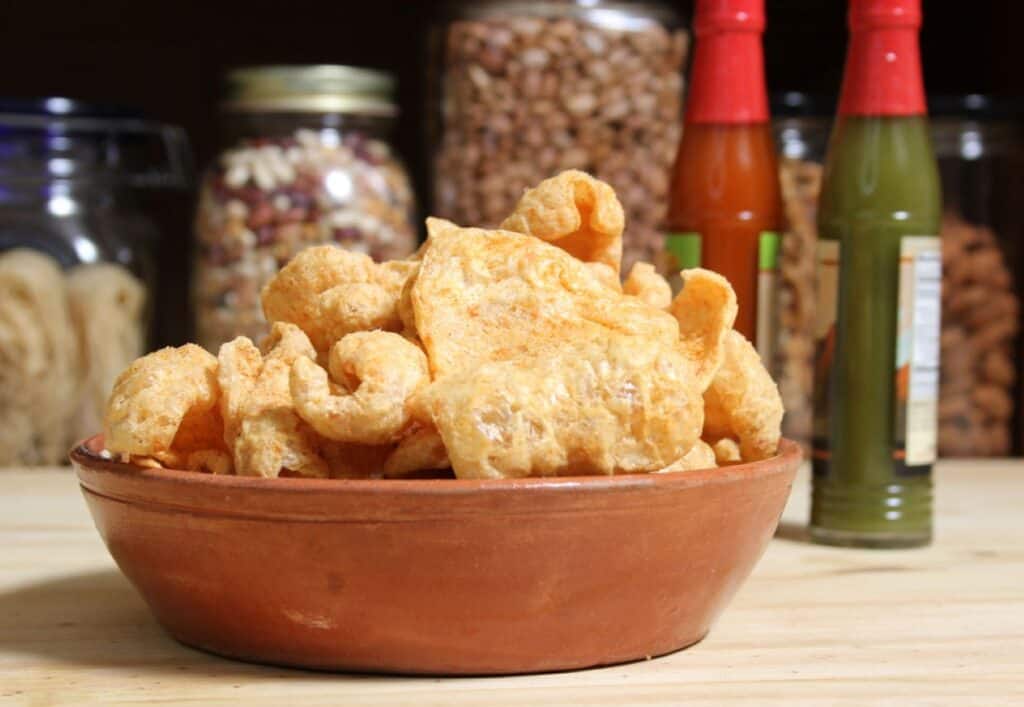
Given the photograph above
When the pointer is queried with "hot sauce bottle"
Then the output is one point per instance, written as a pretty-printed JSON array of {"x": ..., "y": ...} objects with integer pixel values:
[
  {"x": 725, "y": 209},
  {"x": 878, "y": 301}
]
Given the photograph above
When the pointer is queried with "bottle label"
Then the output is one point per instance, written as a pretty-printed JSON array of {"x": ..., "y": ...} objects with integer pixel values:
[
  {"x": 917, "y": 353},
  {"x": 916, "y": 364},
  {"x": 826, "y": 308},
  {"x": 685, "y": 248},
  {"x": 767, "y": 282}
]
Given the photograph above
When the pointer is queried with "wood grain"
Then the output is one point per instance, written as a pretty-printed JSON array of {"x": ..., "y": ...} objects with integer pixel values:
[{"x": 814, "y": 625}]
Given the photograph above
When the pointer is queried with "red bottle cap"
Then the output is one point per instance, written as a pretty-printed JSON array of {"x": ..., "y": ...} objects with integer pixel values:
[
  {"x": 874, "y": 14},
  {"x": 883, "y": 62},
  {"x": 727, "y": 80},
  {"x": 728, "y": 15}
]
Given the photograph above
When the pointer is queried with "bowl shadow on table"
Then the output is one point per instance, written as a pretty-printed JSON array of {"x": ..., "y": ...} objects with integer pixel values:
[
  {"x": 793, "y": 532},
  {"x": 97, "y": 619}
]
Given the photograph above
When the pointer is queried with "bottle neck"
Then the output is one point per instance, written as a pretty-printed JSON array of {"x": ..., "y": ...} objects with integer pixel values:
[
  {"x": 883, "y": 73},
  {"x": 727, "y": 83}
]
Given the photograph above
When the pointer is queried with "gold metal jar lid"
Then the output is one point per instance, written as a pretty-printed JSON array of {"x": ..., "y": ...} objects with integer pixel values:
[{"x": 320, "y": 88}]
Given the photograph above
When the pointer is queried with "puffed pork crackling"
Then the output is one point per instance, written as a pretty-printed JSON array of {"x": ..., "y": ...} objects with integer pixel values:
[{"x": 488, "y": 354}]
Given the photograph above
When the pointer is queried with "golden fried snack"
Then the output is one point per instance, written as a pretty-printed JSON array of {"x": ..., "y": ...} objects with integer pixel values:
[
  {"x": 199, "y": 430},
  {"x": 421, "y": 450},
  {"x": 215, "y": 461},
  {"x": 590, "y": 408},
  {"x": 727, "y": 451},
  {"x": 329, "y": 292},
  {"x": 743, "y": 402},
  {"x": 700, "y": 456},
  {"x": 605, "y": 275},
  {"x": 499, "y": 354},
  {"x": 541, "y": 370},
  {"x": 575, "y": 212},
  {"x": 705, "y": 309},
  {"x": 261, "y": 427},
  {"x": 286, "y": 342},
  {"x": 482, "y": 295},
  {"x": 405, "y": 311},
  {"x": 375, "y": 373},
  {"x": 644, "y": 283},
  {"x": 153, "y": 396}
]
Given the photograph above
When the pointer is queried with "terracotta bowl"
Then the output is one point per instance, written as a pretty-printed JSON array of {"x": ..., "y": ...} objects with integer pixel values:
[{"x": 437, "y": 576}]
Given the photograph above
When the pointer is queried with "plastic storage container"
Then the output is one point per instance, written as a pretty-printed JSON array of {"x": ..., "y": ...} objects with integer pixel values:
[
  {"x": 979, "y": 144},
  {"x": 75, "y": 272},
  {"x": 306, "y": 161},
  {"x": 801, "y": 124},
  {"x": 526, "y": 89}
]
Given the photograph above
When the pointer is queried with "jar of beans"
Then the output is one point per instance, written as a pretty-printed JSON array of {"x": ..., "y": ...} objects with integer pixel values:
[
  {"x": 306, "y": 162},
  {"x": 526, "y": 89}
]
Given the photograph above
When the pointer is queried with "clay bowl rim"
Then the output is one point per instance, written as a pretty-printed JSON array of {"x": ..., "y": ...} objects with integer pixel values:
[{"x": 216, "y": 494}]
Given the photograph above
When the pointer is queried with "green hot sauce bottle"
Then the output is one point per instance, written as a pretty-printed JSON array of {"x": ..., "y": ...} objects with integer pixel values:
[{"x": 876, "y": 367}]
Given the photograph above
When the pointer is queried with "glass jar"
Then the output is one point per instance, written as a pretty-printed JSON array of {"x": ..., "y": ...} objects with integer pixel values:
[
  {"x": 306, "y": 162},
  {"x": 76, "y": 270},
  {"x": 801, "y": 124},
  {"x": 980, "y": 150},
  {"x": 527, "y": 89}
]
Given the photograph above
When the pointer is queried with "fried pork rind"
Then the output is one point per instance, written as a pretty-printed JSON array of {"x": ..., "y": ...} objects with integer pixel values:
[
  {"x": 153, "y": 398},
  {"x": 727, "y": 451},
  {"x": 329, "y": 292},
  {"x": 261, "y": 427},
  {"x": 579, "y": 214},
  {"x": 215, "y": 461},
  {"x": 488, "y": 295},
  {"x": 286, "y": 342},
  {"x": 592, "y": 409},
  {"x": 541, "y": 370},
  {"x": 644, "y": 283},
  {"x": 743, "y": 402},
  {"x": 499, "y": 354},
  {"x": 700, "y": 456},
  {"x": 605, "y": 275},
  {"x": 420, "y": 450},
  {"x": 705, "y": 309},
  {"x": 374, "y": 374}
]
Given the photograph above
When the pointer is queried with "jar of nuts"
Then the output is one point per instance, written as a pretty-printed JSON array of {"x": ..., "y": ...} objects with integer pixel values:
[
  {"x": 306, "y": 161},
  {"x": 525, "y": 89},
  {"x": 980, "y": 150},
  {"x": 801, "y": 124}
]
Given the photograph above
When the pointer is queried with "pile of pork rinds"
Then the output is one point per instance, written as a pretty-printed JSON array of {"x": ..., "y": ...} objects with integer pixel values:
[{"x": 490, "y": 354}]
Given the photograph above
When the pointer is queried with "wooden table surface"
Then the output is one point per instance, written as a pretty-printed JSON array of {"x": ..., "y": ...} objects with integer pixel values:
[{"x": 813, "y": 625}]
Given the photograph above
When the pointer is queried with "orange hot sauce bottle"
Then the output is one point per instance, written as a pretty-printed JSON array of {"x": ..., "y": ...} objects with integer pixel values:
[{"x": 725, "y": 211}]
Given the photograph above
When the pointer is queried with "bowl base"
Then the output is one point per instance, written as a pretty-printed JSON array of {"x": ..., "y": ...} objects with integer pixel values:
[{"x": 412, "y": 671}]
